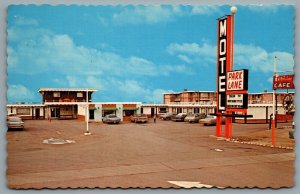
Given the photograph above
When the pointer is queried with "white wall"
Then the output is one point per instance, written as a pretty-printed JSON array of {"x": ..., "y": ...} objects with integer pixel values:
[
  {"x": 81, "y": 109},
  {"x": 119, "y": 112},
  {"x": 260, "y": 112},
  {"x": 98, "y": 112},
  {"x": 147, "y": 110},
  {"x": 139, "y": 109}
]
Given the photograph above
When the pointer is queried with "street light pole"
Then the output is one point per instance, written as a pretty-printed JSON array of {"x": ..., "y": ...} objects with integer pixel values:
[
  {"x": 87, "y": 113},
  {"x": 274, "y": 114}
]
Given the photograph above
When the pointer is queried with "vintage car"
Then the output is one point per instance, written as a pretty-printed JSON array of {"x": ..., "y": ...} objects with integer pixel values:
[
  {"x": 14, "y": 122},
  {"x": 210, "y": 120},
  {"x": 179, "y": 117},
  {"x": 194, "y": 118},
  {"x": 139, "y": 118},
  {"x": 111, "y": 118},
  {"x": 167, "y": 116}
]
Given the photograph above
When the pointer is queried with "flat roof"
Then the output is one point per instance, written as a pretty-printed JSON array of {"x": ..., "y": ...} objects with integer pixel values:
[
  {"x": 25, "y": 105},
  {"x": 67, "y": 89},
  {"x": 189, "y": 91}
]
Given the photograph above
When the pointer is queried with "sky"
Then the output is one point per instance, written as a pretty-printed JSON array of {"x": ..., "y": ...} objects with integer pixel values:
[{"x": 137, "y": 53}]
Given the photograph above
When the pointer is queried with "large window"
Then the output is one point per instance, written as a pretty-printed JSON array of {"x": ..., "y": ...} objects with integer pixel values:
[
  {"x": 128, "y": 112},
  {"x": 108, "y": 112},
  {"x": 56, "y": 94},
  {"x": 162, "y": 110},
  {"x": 79, "y": 94},
  {"x": 23, "y": 111}
]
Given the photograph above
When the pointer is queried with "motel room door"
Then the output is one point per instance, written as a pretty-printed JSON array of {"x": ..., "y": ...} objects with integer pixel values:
[
  {"x": 37, "y": 113},
  {"x": 55, "y": 112},
  {"x": 92, "y": 114}
]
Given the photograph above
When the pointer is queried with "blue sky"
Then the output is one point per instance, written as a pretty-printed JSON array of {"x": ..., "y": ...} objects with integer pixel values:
[{"x": 136, "y": 53}]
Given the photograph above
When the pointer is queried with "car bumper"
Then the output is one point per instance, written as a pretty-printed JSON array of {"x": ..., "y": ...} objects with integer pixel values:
[{"x": 15, "y": 126}]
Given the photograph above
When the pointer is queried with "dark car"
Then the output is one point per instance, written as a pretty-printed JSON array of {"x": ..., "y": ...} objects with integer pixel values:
[
  {"x": 167, "y": 116},
  {"x": 179, "y": 117},
  {"x": 14, "y": 122},
  {"x": 139, "y": 118},
  {"x": 111, "y": 118},
  {"x": 194, "y": 118}
]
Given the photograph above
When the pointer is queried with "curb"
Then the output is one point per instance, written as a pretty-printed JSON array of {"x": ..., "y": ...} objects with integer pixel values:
[{"x": 250, "y": 143}]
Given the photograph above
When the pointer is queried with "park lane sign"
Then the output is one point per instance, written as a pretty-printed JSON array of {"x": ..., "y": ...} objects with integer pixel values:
[{"x": 237, "y": 80}]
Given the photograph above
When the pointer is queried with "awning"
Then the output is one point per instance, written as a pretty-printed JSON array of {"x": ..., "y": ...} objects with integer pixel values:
[
  {"x": 92, "y": 108},
  {"x": 109, "y": 109},
  {"x": 130, "y": 108}
]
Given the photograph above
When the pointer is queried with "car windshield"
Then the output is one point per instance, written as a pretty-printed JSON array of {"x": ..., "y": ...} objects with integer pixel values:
[
  {"x": 15, "y": 119},
  {"x": 112, "y": 116}
]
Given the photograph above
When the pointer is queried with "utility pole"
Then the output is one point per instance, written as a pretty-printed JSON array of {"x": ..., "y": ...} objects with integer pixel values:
[
  {"x": 87, "y": 113},
  {"x": 274, "y": 104}
]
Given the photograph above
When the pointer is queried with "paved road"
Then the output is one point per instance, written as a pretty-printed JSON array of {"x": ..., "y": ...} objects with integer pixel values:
[{"x": 165, "y": 154}]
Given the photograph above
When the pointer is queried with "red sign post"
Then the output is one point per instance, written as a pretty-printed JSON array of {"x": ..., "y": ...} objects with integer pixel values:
[
  {"x": 224, "y": 59},
  {"x": 232, "y": 86}
]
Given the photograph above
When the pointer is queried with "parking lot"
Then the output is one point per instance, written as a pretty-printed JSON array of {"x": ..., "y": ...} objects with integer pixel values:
[{"x": 163, "y": 154}]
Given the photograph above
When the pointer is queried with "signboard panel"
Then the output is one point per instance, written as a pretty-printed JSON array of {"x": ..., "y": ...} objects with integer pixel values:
[
  {"x": 237, "y": 101},
  {"x": 237, "y": 80},
  {"x": 223, "y": 60},
  {"x": 283, "y": 82}
]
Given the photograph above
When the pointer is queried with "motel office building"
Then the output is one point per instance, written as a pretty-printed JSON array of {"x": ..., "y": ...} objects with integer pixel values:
[{"x": 66, "y": 103}]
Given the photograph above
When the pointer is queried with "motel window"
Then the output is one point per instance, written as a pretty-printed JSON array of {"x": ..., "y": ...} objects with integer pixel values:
[
  {"x": 79, "y": 94},
  {"x": 128, "y": 112},
  {"x": 23, "y": 111},
  {"x": 204, "y": 95},
  {"x": 56, "y": 94},
  {"x": 108, "y": 112},
  {"x": 162, "y": 110}
]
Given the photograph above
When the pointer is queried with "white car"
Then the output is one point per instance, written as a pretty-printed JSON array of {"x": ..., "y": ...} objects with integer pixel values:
[
  {"x": 210, "y": 120},
  {"x": 113, "y": 119},
  {"x": 14, "y": 123}
]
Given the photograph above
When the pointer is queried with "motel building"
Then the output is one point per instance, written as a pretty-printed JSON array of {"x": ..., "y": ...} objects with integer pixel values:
[
  {"x": 66, "y": 103},
  {"x": 71, "y": 103}
]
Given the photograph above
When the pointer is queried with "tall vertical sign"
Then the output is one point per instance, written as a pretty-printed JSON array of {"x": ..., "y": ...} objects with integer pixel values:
[{"x": 224, "y": 60}]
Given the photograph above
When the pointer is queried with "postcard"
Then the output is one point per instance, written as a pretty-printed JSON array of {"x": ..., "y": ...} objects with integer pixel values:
[{"x": 150, "y": 96}]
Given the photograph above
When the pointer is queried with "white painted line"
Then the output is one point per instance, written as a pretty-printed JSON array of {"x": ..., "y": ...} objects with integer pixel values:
[{"x": 190, "y": 184}]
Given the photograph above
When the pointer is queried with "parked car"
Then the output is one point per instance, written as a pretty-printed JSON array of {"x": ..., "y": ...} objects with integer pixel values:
[
  {"x": 139, "y": 118},
  {"x": 179, "y": 117},
  {"x": 111, "y": 118},
  {"x": 14, "y": 122},
  {"x": 167, "y": 116},
  {"x": 194, "y": 118},
  {"x": 210, "y": 120}
]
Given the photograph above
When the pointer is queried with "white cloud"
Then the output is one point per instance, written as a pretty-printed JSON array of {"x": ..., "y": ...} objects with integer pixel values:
[
  {"x": 152, "y": 14},
  {"x": 18, "y": 92},
  {"x": 203, "y": 9},
  {"x": 46, "y": 52},
  {"x": 135, "y": 89},
  {"x": 23, "y": 21},
  {"x": 145, "y": 14},
  {"x": 264, "y": 8},
  {"x": 184, "y": 58},
  {"x": 245, "y": 56}
]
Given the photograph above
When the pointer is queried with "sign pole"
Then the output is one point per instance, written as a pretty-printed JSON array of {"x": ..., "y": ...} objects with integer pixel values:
[
  {"x": 274, "y": 114},
  {"x": 87, "y": 113}
]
